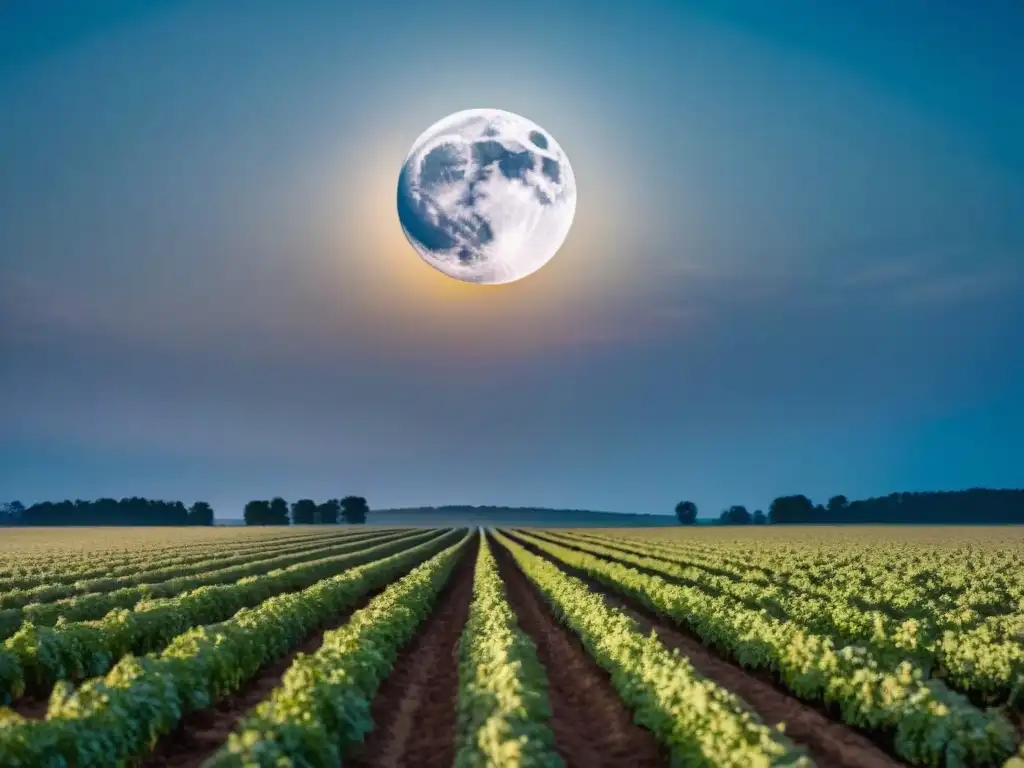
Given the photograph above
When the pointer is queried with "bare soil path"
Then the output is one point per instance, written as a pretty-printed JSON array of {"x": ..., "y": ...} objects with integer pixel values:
[
  {"x": 202, "y": 732},
  {"x": 414, "y": 711},
  {"x": 827, "y": 741},
  {"x": 593, "y": 728},
  {"x": 32, "y": 707}
]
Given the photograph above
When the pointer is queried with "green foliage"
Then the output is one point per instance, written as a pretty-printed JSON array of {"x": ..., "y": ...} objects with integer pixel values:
[
  {"x": 700, "y": 723},
  {"x": 69, "y": 600},
  {"x": 11, "y": 512},
  {"x": 974, "y": 660},
  {"x": 354, "y": 509},
  {"x": 36, "y": 657},
  {"x": 686, "y": 512},
  {"x": 322, "y": 704},
  {"x": 256, "y": 513},
  {"x": 90, "y": 571},
  {"x": 789, "y": 509},
  {"x": 110, "y": 720},
  {"x": 503, "y": 707},
  {"x": 927, "y": 723},
  {"x": 878, "y": 631},
  {"x": 277, "y": 513},
  {"x": 837, "y": 504},
  {"x": 304, "y": 512},
  {"x": 95, "y": 605},
  {"x": 328, "y": 512},
  {"x": 735, "y": 515},
  {"x": 1017, "y": 761},
  {"x": 273, "y": 512},
  {"x": 200, "y": 513}
]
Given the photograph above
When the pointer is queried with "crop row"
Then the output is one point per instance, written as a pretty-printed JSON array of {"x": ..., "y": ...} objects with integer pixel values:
[
  {"x": 97, "y": 604},
  {"x": 947, "y": 598},
  {"x": 959, "y": 590},
  {"x": 927, "y": 723},
  {"x": 957, "y": 587},
  {"x": 972, "y": 660},
  {"x": 503, "y": 708},
  {"x": 59, "y": 582},
  {"x": 49, "y": 562},
  {"x": 699, "y": 722},
  {"x": 110, "y": 720},
  {"x": 94, "y": 574},
  {"x": 37, "y": 657},
  {"x": 323, "y": 702}
]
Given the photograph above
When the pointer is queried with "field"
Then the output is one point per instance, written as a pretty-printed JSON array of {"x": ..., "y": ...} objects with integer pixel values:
[{"x": 387, "y": 646}]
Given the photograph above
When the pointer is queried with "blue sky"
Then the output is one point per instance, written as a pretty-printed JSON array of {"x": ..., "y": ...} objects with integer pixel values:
[{"x": 797, "y": 263}]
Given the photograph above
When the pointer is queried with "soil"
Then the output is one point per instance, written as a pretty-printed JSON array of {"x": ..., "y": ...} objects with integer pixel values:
[
  {"x": 202, "y": 732},
  {"x": 34, "y": 704},
  {"x": 581, "y": 547},
  {"x": 592, "y": 726},
  {"x": 414, "y": 711},
  {"x": 32, "y": 707},
  {"x": 828, "y": 742}
]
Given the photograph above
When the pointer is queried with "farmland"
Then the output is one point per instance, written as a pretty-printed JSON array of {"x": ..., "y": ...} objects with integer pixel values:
[{"x": 373, "y": 646}]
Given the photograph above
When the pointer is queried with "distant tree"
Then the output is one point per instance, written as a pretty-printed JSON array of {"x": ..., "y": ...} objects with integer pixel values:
[
  {"x": 179, "y": 512},
  {"x": 134, "y": 510},
  {"x": 735, "y": 515},
  {"x": 278, "y": 512},
  {"x": 759, "y": 518},
  {"x": 304, "y": 512},
  {"x": 686, "y": 511},
  {"x": 791, "y": 509},
  {"x": 257, "y": 513},
  {"x": 327, "y": 513},
  {"x": 837, "y": 505},
  {"x": 983, "y": 506},
  {"x": 971, "y": 506},
  {"x": 354, "y": 509},
  {"x": 11, "y": 512},
  {"x": 200, "y": 513}
]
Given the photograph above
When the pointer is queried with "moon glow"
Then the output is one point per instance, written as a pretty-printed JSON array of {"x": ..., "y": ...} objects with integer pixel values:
[{"x": 486, "y": 196}]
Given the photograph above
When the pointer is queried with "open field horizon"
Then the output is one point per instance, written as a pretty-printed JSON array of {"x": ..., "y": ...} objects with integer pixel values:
[
  {"x": 723, "y": 299},
  {"x": 387, "y": 645}
]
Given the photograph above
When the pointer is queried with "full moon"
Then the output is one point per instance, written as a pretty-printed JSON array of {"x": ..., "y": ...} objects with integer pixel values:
[{"x": 486, "y": 196}]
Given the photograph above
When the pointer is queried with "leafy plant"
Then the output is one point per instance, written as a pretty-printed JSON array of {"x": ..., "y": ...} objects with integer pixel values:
[
  {"x": 110, "y": 720},
  {"x": 503, "y": 708},
  {"x": 699, "y": 722}
]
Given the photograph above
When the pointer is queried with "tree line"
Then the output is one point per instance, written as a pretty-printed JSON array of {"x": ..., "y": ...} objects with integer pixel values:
[
  {"x": 129, "y": 511},
  {"x": 142, "y": 511},
  {"x": 971, "y": 506},
  {"x": 276, "y": 511}
]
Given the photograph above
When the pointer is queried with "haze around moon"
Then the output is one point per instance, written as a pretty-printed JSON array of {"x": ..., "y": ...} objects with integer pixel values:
[{"x": 486, "y": 196}]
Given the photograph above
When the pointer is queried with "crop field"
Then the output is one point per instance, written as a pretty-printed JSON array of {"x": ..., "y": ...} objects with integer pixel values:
[{"x": 364, "y": 646}]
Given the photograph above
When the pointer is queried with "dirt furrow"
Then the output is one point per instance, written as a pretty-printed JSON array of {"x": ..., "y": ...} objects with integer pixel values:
[
  {"x": 593, "y": 728},
  {"x": 794, "y": 590},
  {"x": 828, "y": 742},
  {"x": 32, "y": 707},
  {"x": 202, "y": 732},
  {"x": 34, "y": 704},
  {"x": 414, "y": 709}
]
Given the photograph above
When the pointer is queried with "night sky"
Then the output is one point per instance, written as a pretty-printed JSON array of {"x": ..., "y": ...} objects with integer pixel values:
[{"x": 797, "y": 263}]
